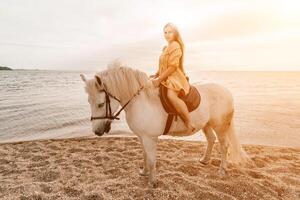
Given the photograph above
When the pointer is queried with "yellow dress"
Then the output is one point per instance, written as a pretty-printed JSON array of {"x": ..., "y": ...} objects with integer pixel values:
[{"x": 170, "y": 57}]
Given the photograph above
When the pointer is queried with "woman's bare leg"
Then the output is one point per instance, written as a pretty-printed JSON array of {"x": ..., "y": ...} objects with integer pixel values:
[{"x": 181, "y": 107}]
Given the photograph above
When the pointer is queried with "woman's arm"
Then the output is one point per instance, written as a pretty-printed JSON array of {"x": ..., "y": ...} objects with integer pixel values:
[
  {"x": 166, "y": 73},
  {"x": 163, "y": 76},
  {"x": 154, "y": 75}
]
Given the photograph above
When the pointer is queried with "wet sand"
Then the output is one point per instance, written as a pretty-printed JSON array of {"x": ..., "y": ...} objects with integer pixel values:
[{"x": 107, "y": 168}]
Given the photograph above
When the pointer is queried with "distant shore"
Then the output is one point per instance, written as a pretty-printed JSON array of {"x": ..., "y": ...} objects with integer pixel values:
[{"x": 5, "y": 68}]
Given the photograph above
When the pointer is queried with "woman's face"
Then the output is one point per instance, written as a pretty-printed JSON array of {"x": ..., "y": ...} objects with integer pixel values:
[{"x": 169, "y": 34}]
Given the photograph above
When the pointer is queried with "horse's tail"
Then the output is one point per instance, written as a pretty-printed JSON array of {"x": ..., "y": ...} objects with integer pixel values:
[{"x": 236, "y": 153}]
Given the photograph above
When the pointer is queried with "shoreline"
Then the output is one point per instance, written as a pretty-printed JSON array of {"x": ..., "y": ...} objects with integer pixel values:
[{"x": 126, "y": 134}]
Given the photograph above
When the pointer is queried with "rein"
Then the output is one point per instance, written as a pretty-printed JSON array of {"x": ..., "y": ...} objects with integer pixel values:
[{"x": 108, "y": 114}]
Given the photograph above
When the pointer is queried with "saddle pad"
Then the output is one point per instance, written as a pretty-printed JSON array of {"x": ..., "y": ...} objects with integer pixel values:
[{"x": 192, "y": 99}]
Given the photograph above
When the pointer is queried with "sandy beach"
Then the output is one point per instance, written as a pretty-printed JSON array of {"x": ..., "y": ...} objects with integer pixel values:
[{"x": 107, "y": 168}]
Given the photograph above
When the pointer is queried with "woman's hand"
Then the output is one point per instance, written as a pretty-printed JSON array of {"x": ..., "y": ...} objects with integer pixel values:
[
  {"x": 187, "y": 78},
  {"x": 153, "y": 76},
  {"x": 156, "y": 82}
]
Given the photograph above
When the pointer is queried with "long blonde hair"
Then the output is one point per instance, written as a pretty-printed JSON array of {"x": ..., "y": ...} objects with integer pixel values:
[{"x": 177, "y": 37}]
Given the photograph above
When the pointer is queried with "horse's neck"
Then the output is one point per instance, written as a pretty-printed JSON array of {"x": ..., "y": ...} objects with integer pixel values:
[
  {"x": 142, "y": 103},
  {"x": 141, "y": 98}
]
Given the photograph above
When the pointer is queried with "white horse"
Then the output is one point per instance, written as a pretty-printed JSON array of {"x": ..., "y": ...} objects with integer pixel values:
[{"x": 146, "y": 116}]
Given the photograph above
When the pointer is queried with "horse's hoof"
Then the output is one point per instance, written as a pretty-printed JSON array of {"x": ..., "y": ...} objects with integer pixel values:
[
  {"x": 222, "y": 172},
  {"x": 152, "y": 184},
  {"x": 204, "y": 161},
  {"x": 142, "y": 172}
]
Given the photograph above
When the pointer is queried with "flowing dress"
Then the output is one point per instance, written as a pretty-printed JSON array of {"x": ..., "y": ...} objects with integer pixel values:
[{"x": 170, "y": 57}]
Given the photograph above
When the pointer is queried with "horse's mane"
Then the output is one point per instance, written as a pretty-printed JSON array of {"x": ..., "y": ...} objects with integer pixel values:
[{"x": 123, "y": 81}]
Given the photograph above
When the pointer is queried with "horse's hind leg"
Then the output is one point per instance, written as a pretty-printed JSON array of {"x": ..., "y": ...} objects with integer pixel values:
[
  {"x": 210, "y": 138},
  {"x": 222, "y": 137}
]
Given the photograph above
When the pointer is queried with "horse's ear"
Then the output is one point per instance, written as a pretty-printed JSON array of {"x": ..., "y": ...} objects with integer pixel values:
[
  {"x": 83, "y": 77},
  {"x": 98, "y": 80}
]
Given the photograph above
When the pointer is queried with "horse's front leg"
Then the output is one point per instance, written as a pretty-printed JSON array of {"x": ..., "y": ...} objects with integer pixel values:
[
  {"x": 150, "y": 144},
  {"x": 145, "y": 170}
]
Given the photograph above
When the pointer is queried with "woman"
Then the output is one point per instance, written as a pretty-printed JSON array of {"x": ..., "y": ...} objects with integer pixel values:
[{"x": 171, "y": 73}]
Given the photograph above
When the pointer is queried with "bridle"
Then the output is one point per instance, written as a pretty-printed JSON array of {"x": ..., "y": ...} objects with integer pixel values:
[{"x": 108, "y": 114}]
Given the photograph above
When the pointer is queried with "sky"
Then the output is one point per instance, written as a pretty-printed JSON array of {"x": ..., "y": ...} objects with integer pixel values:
[{"x": 219, "y": 35}]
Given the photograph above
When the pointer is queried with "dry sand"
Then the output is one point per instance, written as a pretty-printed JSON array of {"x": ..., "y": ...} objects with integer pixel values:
[{"x": 107, "y": 168}]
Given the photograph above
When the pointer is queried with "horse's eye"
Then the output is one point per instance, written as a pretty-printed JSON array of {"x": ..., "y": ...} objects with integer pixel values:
[{"x": 100, "y": 105}]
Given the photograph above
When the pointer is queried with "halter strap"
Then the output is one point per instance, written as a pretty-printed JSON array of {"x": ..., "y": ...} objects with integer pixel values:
[
  {"x": 137, "y": 93},
  {"x": 108, "y": 114}
]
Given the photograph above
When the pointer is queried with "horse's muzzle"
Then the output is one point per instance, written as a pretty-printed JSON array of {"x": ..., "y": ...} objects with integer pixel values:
[{"x": 104, "y": 129}]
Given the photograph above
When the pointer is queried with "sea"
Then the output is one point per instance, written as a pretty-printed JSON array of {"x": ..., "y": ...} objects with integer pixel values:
[{"x": 48, "y": 104}]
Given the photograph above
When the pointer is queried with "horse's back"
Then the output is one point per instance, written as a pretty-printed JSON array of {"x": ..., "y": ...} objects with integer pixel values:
[
  {"x": 213, "y": 89},
  {"x": 216, "y": 95}
]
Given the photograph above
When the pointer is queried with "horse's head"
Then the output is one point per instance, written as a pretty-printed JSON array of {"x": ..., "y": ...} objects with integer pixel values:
[{"x": 100, "y": 103}]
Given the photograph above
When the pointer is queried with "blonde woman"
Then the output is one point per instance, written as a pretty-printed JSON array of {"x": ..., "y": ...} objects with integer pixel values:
[{"x": 172, "y": 74}]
